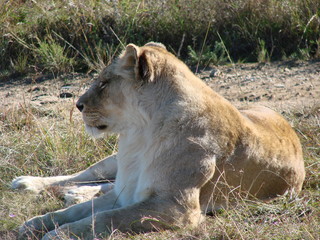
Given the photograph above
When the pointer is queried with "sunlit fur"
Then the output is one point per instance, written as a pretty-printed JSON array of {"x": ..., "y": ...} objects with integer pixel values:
[{"x": 183, "y": 150}]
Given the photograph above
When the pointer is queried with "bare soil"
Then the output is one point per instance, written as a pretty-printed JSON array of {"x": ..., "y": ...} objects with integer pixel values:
[{"x": 283, "y": 86}]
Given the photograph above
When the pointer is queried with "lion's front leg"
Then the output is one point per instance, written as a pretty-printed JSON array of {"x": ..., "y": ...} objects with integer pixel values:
[
  {"x": 105, "y": 169},
  {"x": 81, "y": 229},
  {"x": 151, "y": 214},
  {"x": 39, "y": 225}
]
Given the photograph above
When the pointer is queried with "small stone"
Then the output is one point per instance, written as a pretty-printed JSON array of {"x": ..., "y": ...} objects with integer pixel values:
[
  {"x": 66, "y": 95},
  {"x": 298, "y": 114},
  {"x": 279, "y": 86},
  {"x": 215, "y": 73},
  {"x": 34, "y": 89},
  {"x": 309, "y": 88}
]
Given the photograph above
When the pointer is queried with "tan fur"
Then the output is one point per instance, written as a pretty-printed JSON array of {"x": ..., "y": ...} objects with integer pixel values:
[{"x": 183, "y": 150}]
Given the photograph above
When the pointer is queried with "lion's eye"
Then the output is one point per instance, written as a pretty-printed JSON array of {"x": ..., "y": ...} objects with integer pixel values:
[{"x": 103, "y": 84}]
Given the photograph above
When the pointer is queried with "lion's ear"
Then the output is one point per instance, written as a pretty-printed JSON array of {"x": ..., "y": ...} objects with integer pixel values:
[
  {"x": 137, "y": 60},
  {"x": 144, "y": 69},
  {"x": 130, "y": 55},
  {"x": 156, "y": 44}
]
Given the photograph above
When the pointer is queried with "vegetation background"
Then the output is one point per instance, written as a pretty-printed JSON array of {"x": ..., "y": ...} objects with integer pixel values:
[{"x": 64, "y": 36}]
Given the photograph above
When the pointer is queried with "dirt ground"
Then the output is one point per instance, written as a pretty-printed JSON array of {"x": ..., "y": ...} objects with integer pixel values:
[{"x": 283, "y": 86}]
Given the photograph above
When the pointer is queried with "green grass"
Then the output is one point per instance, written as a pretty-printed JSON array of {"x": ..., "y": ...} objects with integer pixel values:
[{"x": 59, "y": 36}]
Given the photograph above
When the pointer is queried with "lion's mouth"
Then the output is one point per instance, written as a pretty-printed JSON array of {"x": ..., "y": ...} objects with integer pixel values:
[
  {"x": 96, "y": 131},
  {"x": 102, "y": 127}
]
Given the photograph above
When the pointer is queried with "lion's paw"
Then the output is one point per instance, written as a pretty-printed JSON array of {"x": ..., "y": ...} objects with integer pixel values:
[
  {"x": 74, "y": 194},
  {"x": 31, "y": 229},
  {"x": 32, "y": 184},
  {"x": 53, "y": 236},
  {"x": 80, "y": 194}
]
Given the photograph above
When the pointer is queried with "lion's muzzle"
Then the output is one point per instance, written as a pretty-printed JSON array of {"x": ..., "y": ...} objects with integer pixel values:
[{"x": 80, "y": 106}]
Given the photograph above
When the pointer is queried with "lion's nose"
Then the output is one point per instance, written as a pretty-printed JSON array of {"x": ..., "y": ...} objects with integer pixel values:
[{"x": 80, "y": 106}]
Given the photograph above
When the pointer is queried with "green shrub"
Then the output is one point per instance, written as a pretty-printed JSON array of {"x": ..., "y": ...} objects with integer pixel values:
[
  {"x": 208, "y": 55},
  {"x": 53, "y": 57},
  {"x": 83, "y": 32}
]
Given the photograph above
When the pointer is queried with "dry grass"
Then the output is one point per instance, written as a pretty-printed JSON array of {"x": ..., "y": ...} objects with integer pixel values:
[
  {"x": 51, "y": 141},
  {"x": 40, "y": 142},
  {"x": 36, "y": 141}
]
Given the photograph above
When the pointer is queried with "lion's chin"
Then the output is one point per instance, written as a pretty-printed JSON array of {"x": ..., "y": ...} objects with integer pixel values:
[{"x": 96, "y": 132}]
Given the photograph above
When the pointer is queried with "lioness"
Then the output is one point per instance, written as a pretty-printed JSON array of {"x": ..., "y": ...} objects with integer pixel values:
[{"x": 184, "y": 150}]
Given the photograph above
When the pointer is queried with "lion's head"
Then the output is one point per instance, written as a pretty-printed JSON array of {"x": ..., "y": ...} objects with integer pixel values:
[{"x": 117, "y": 99}]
